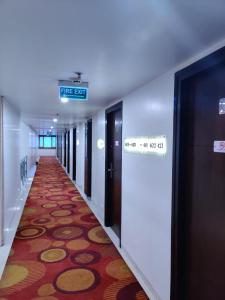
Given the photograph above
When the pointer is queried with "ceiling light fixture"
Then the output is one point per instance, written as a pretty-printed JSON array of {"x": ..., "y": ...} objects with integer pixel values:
[
  {"x": 51, "y": 127},
  {"x": 64, "y": 100},
  {"x": 55, "y": 119}
]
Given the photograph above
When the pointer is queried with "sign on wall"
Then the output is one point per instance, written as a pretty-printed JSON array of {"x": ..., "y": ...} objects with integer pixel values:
[
  {"x": 146, "y": 145},
  {"x": 219, "y": 146}
]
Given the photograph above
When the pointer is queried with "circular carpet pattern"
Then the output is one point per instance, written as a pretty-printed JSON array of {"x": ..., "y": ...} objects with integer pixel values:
[
  {"x": 76, "y": 280},
  {"x": 66, "y": 220},
  {"x": 112, "y": 292},
  {"x": 53, "y": 255},
  {"x": 85, "y": 257},
  {"x": 46, "y": 298},
  {"x": 58, "y": 197},
  {"x": 19, "y": 275},
  {"x": 61, "y": 213},
  {"x": 49, "y": 205},
  {"x": 84, "y": 210},
  {"x": 118, "y": 269},
  {"x": 77, "y": 199},
  {"x": 67, "y": 232},
  {"x": 67, "y": 206},
  {"x": 29, "y": 211},
  {"x": 46, "y": 289},
  {"x": 61, "y": 251},
  {"x": 98, "y": 235},
  {"x": 30, "y": 232},
  {"x": 78, "y": 244},
  {"x": 129, "y": 292},
  {"x": 41, "y": 221},
  {"x": 90, "y": 218},
  {"x": 38, "y": 245}
]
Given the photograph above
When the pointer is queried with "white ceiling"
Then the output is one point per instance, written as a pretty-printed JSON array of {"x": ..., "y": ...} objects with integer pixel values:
[{"x": 118, "y": 44}]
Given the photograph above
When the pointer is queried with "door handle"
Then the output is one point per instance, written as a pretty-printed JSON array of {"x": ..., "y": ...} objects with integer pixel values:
[{"x": 110, "y": 170}]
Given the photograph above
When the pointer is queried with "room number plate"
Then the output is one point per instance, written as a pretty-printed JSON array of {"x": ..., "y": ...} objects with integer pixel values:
[{"x": 219, "y": 146}]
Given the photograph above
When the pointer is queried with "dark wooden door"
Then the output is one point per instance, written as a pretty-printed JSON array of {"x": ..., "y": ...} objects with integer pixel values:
[
  {"x": 59, "y": 147},
  {"x": 88, "y": 158},
  {"x": 65, "y": 150},
  {"x": 202, "y": 188},
  {"x": 68, "y": 151},
  {"x": 74, "y": 152},
  {"x": 113, "y": 168}
]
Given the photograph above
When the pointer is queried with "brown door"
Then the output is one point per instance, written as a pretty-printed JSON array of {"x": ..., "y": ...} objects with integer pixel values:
[
  {"x": 88, "y": 158},
  {"x": 74, "y": 152},
  {"x": 113, "y": 168},
  {"x": 201, "y": 188}
]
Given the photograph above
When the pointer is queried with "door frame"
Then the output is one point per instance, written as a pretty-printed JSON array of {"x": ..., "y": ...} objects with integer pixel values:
[
  {"x": 177, "y": 257},
  {"x": 74, "y": 153},
  {"x": 64, "y": 152},
  {"x": 1, "y": 175},
  {"x": 60, "y": 147},
  {"x": 107, "y": 219},
  {"x": 88, "y": 158},
  {"x": 68, "y": 151}
]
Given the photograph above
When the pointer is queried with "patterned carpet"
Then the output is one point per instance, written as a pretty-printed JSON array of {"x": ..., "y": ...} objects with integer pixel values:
[{"x": 61, "y": 251}]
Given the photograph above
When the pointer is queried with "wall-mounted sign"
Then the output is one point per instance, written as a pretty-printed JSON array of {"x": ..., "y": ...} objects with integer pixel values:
[
  {"x": 100, "y": 144},
  {"x": 219, "y": 146},
  {"x": 146, "y": 145},
  {"x": 222, "y": 106}
]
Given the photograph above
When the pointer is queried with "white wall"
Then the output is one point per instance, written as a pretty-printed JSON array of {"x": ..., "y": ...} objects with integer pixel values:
[
  {"x": 11, "y": 154},
  {"x": 146, "y": 183},
  {"x": 19, "y": 141},
  {"x": 46, "y": 152},
  {"x": 28, "y": 144},
  {"x": 80, "y": 155},
  {"x": 98, "y": 163},
  {"x": 146, "y": 180},
  {"x": 146, "y": 189}
]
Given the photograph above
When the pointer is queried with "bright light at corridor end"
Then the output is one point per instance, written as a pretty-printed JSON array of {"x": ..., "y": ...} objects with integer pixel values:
[
  {"x": 146, "y": 145},
  {"x": 55, "y": 120}
]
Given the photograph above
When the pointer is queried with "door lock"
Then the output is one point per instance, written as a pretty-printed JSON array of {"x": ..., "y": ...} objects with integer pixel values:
[{"x": 110, "y": 170}]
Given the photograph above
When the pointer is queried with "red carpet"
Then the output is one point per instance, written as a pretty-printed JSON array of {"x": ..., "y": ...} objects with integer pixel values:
[{"x": 61, "y": 251}]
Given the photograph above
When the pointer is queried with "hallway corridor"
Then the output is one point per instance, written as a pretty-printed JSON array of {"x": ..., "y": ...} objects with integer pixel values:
[{"x": 61, "y": 251}]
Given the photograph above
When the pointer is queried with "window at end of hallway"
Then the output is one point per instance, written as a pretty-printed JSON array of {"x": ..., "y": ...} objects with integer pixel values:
[{"x": 47, "y": 142}]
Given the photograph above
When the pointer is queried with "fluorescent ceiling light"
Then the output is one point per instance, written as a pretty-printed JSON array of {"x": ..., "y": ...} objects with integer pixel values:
[
  {"x": 64, "y": 100},
  {"x": 55, "y": 120}
]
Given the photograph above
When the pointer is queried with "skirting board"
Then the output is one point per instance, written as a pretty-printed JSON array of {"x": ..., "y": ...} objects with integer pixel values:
[{"x": 9, "y": 233}]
